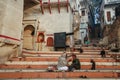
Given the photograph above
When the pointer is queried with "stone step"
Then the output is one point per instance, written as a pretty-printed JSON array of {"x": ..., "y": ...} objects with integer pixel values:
[
  {"x": 114, "y": 55},
  {"x": 54, "y": 75},
  {"x": 55, "y": 62},
  {"x": 77, "y": 53},
  {"x": 57, "y": 55},
  {"x": 88, "y": 67},
  {"x": 45, "y": 64},
  {"x": 43, "y": 70},
  {"x": 57, "y": 52},
  {"x": 85, "y": 52},
  {"x": 56, "y": 59},
  {"x": 35, "y": 67},
  {"x": 90, "y": 48},
  {"x": 68, "y": 79}
]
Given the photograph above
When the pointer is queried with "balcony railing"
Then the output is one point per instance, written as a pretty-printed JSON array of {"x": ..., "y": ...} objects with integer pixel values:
[{"x": 111, "y": 2}]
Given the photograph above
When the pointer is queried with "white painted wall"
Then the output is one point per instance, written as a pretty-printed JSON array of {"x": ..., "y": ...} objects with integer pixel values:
[
  {"x": 55, "y": 22},
  {"x": 83, "y": 21},
  {"x": 111, "y": 1},
  {"x": 112, "y": 10},
  {"x": 83, "y": 33}
]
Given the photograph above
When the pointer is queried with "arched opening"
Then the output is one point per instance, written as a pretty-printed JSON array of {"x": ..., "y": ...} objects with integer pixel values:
[
  {"x": 28, "y": 37},
  {"x": 49, "y": 41}
]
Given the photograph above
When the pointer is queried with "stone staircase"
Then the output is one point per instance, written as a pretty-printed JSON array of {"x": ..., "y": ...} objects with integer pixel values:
[{"x": 33, "y": 65}]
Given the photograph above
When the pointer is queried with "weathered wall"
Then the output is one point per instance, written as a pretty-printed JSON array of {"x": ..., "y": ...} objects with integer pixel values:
[
  {"x": 2, "y": 13},
  {"x": 49, "y": 23},
  {"x": 11, "y": 15},
  {"x": 112, "y": 34},
  {"x": 11, "y": 20},
  {"x": 54, "y": 22}
]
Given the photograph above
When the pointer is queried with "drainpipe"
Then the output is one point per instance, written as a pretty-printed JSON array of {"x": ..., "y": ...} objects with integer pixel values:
[{"x": 71, "y": 26}]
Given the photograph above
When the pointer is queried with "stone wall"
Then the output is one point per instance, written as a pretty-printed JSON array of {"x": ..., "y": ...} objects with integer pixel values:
[
  {"x": 54, "y": 22},
  {"x": 2, "y": 13},
  {"x": 114, "y": 34},
  {"x": 11, "y": 15},
  {"x": 49, "y": 23}
]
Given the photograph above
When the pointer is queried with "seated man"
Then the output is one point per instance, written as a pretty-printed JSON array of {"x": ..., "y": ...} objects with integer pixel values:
[
  {"x": 81, "y": 50},
  {"x": 75, "y": 63}
]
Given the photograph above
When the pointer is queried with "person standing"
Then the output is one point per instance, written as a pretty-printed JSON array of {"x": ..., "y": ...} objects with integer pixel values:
[
  {"x": 93, "y": 64},
  {"x": 102, "y": 53}
]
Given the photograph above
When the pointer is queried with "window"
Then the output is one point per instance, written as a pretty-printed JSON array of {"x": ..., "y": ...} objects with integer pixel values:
[
  {"x": 83, "y": 13},
  {"x": 108, "y": 16}
]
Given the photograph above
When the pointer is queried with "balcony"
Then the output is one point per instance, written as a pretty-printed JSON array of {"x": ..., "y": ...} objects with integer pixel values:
[
  {"x": 48, "y": 4},
  {"x": 107, "y": 2}
]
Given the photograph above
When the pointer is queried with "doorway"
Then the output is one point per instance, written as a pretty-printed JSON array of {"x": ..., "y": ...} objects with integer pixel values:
[{"x": 28, "y": 37}]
